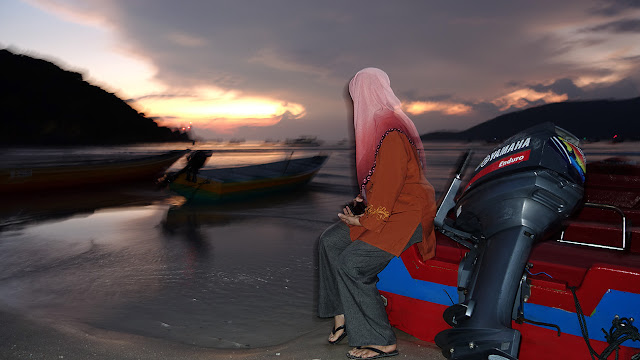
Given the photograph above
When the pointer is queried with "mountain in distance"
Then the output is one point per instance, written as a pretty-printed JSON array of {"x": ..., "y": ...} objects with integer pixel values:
[
  {"x": 588, "y": 120},
  {"x": 42, "y": 104}
]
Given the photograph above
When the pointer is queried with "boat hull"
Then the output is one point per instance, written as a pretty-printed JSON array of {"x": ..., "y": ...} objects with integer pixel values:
[
  {"x": 208, "y": 189},
  {"x": 607, "y": 283},
  {"x": 85, "y": 173}
]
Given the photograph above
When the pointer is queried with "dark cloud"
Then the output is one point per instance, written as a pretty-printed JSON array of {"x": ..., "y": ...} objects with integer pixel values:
[
  {"x": 414, "y": 95},
  {"x": 614, "y": 7},
  {"x": 561, "y": 86},
  {"x": 625, "y": 88},
  {"x": 620, "y": 26},
  {"x": 163, "y": 117}
]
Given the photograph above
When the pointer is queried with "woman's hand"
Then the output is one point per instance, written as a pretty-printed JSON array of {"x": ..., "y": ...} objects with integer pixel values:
[{"x": 348, "y": 217}]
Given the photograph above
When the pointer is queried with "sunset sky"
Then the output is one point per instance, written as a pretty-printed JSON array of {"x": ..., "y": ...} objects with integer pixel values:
[{"x": 279, "y": 68}]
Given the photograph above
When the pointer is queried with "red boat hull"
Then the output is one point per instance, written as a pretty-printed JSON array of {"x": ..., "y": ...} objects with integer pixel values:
[
  {"x": 424, "y": 321},
  {"x": 607, "y": 281}
]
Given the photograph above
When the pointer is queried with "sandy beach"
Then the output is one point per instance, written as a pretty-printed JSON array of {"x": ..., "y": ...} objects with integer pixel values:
[{"x": 25, "y": 338}]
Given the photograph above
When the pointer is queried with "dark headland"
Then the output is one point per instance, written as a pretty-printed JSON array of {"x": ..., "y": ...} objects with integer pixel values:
[
  {"x": 592, "y": 120},
  {"x": 42, "y": 104}
]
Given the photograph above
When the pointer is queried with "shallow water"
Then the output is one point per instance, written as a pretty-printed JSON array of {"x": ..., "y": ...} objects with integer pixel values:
[{"x": 233, "y": 275}]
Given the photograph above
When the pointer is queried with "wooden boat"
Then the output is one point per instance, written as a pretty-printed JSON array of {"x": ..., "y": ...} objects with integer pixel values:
[
  {"x": 583, "y": 281},
  {"x": 82, "y": 171},
  {"x": 215, "y": 185}
]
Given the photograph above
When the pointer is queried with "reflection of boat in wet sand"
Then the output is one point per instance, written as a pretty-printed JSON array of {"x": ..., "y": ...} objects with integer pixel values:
[
  {"x": 239, "y": 182},
  {"x": 82, "y": 171},
  {"x": 519, "y": 297},
  {"x": 17, "y": 211}
]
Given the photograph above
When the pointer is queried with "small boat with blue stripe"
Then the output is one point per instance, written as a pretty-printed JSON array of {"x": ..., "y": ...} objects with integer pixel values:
[{"x": 216, "y": 185}]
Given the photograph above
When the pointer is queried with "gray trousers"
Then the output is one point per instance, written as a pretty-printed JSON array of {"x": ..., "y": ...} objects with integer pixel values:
[{"x": 348, "y": 273}]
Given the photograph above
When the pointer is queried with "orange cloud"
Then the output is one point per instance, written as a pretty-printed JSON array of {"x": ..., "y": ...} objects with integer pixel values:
[
  {"x": 447, "y": 108},
  {"x": 523, "y": 97}
]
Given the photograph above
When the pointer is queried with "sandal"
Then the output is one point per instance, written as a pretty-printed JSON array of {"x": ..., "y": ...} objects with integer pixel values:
[
  {"x": 342, "y": 336},
  {"x": 381, "y": 354}
]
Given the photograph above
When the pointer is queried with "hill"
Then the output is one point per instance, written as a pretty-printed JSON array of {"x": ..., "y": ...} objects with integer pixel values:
[
  {"x": 42, "y": 104},
  {"x": 593, "y": 120}
]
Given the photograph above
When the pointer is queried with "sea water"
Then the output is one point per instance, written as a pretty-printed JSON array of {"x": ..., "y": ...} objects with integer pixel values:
[{"x": 139, "y": 260}]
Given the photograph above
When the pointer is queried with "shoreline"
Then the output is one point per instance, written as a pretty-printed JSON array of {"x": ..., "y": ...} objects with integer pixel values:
[{"x": 27, "y": 338}]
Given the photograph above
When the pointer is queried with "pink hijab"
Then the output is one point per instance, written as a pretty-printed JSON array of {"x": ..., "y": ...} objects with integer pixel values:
[{"x": 376, "y": 112}]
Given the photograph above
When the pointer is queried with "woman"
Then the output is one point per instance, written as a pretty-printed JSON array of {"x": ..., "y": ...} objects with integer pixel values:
[{"x": 399, "y": 203}]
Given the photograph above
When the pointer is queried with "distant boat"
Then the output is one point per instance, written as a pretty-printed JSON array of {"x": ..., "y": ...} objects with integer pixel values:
[
  {"x": 213, "y": 185},
  {"x": 82, "y": 171},
  {"x": 304, "y": 141},
  {"x": 271, "y": 142},
  {"x": 237, "y": 141}
]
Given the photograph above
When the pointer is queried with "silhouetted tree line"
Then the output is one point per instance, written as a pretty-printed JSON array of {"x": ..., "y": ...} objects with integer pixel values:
[
  {"x": 590, "y": 120},
  {"x": 42, "y": 104}
]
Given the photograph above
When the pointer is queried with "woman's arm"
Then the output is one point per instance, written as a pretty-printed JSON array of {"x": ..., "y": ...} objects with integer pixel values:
[{"x": 386, "y": 183}]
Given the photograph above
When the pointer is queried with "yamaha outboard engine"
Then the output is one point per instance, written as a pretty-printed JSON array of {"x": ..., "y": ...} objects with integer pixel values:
[{"x": 515, "y": 197}]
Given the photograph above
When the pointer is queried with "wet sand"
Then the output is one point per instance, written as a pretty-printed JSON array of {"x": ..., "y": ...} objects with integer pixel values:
[
  {"x": 24, "y": 338},
  {"x": 146, "y": 277}
]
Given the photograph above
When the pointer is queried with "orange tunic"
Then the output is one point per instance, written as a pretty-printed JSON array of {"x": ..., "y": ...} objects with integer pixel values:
[{"x": 399, "y": 197}]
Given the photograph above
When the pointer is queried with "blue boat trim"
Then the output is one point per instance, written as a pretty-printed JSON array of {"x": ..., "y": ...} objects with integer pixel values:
[{"x": 395, "y": 279}]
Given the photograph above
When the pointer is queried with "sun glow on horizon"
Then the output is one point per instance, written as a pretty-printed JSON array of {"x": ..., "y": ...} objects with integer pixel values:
[{"x": 221, "y": 111}]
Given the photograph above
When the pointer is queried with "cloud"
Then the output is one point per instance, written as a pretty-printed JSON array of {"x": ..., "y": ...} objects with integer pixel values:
[
  {"x": 613, "y": 7},
  {"x": 526, "y": 97},
  {"x": 447, "y": 108},
  {"x": 187, "y": 40},
  {"x": 453, "y": 64},
  {"x": 217, "y": 109},
  {"x": 617, "y": 27}
]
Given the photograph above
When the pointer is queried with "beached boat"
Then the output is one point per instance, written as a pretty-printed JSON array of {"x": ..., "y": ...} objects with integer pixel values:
[
  {"x": 487, "y": 296},
  {"x": 32, "y": 175},
  {"x": 214, "y": 185}
]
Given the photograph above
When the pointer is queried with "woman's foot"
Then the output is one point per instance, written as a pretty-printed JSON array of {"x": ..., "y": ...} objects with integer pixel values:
[
  {"x": 372, "y": 352},
  {"x": 339, "y": 331}
]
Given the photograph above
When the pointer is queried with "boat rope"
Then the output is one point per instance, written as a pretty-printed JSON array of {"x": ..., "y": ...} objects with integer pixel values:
[
  {"x": 621, "y": 330},
  {"x": 445, "y": 291},
  {"x": 286, "y": 166},
  {"x": 522, "y": 319},
  {"x": 539, "y": 273}
]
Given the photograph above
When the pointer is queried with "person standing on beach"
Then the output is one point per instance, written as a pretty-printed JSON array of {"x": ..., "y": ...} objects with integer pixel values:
[{"x": 400, "y": 207}]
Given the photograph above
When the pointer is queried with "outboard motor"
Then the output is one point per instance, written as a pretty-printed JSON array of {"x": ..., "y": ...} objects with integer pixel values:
[
  {"x": 515, "y": 197},
  {"x": 195, "y": 161}
]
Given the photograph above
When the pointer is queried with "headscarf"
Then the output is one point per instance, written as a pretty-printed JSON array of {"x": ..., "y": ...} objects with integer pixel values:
[{"x": 376, "y": 112}]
